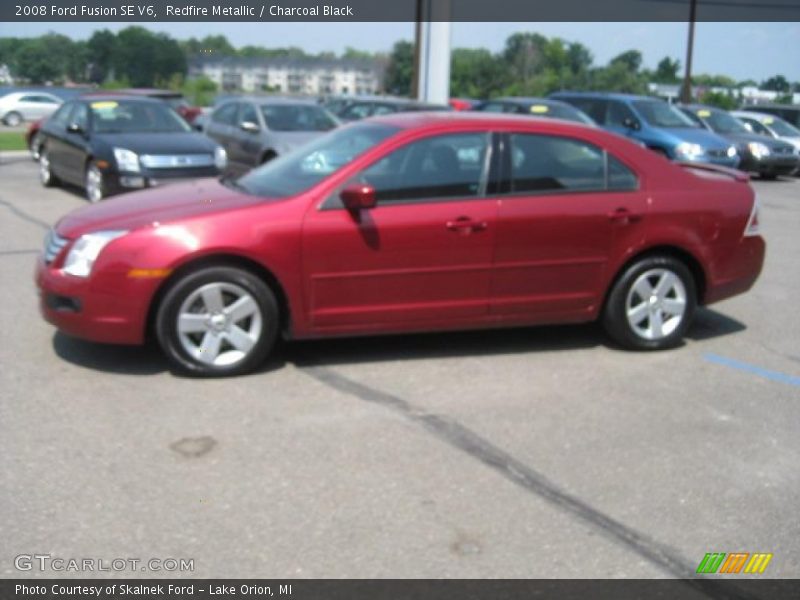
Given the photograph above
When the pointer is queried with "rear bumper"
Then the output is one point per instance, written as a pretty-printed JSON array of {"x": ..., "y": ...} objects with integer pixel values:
[
  {"x": 741, "y": 270},
  {"x": 109, "y": 308}
]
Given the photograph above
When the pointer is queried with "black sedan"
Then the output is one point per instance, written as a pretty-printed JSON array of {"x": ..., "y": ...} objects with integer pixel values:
[
  {"x": 759, "y": 154},
  {"x": 535, "y": 107},
  {"x": 111, "y": 144}
]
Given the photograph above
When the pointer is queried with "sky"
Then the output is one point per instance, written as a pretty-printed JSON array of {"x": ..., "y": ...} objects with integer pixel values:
[{"x": 739, "y": 50}]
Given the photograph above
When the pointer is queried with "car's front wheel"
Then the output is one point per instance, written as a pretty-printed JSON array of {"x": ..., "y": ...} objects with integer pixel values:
[
  {"x": 93, "y": 183},
  {"x": 218, "y": 321},
  {"x": 651, "y": 305}
]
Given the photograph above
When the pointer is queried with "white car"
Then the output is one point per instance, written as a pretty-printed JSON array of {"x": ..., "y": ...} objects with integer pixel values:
[{"x": 27, "y": 106}]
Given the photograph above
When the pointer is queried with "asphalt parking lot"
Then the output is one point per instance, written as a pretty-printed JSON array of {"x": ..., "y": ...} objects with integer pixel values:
[{"x": 524, "y": 453}]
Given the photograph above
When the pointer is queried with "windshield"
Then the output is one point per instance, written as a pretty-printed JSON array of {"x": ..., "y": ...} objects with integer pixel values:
[
  {"x": 781, "y": 127},
  {"x": 299, "y": 117},
  {"x": 125, "y": 116},
  {"x": 722, "y": 122},
  {"x": 297, "y": 171},
  {"x": 661, "y": 114}
]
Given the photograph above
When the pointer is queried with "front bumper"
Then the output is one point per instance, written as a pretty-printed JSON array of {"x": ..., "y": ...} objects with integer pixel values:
[
  {"x": 106, "y": 307},
  {"x": 117, "y": 182},
  {"x": 772, "y": 165}
]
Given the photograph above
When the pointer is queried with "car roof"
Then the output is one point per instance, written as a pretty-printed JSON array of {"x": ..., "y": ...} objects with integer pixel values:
[
  {"x": 115, "y": 96},
  {"x": 603, "y": 95},
  {"x": 696, "y": 106},
  {"x": 423, "y": 120},
  {"x": 287, "y": 100},
  {"x": 756, "y": 115}
]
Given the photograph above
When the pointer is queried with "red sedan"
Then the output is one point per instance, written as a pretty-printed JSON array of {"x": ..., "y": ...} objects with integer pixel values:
[{"x": 411, "y": 222}]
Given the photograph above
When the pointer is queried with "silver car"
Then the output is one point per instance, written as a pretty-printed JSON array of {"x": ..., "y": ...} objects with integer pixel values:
[
  {"x": 772, "y": 126},
  {"x": 27, "y": 106},
  {"x": 256, "y": 130}
]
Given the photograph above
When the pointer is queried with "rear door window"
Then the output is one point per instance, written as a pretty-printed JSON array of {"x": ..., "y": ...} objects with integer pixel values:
[{"x": 543, "y": 164}]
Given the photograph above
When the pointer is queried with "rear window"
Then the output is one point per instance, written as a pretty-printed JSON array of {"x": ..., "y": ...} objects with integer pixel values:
[{"x": 298, "y": 117}]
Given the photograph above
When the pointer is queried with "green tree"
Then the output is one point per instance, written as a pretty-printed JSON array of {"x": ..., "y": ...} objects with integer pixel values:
[
  {"x": 199, "y": 91},
  {"x": 667, "y": 71},
  {"x": 476, "y": 73},
  {"x": 724, "y": 100},
  {"x": 32, "y": 61},
  {"x": 142, "y": 57},
  {"x": 776, "y": 83},
  {"x": 100, "y": 50},
  {"x": 400, "y": 69}
]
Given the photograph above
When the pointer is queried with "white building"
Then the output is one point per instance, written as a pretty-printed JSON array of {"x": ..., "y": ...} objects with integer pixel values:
[
  {"x": 308, "y": 76},
  {"x": 5, "y": 75}
]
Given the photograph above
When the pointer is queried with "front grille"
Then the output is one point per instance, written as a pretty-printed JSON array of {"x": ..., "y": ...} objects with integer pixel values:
[
  {"x": 53, "y": 245},
  {"x": 176, "y": 161},
  {"x": 784, "y": 150},
  {"x": 719, "y": 153}
]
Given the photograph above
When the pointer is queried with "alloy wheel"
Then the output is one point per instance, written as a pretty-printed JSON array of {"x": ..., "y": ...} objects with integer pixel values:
[
  {"x": 219, "y": 324},
  {"x": 656, "y": 304}
]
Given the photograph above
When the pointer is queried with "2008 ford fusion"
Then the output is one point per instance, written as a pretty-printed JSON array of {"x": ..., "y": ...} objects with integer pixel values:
[{"x": 410, "y": 222}]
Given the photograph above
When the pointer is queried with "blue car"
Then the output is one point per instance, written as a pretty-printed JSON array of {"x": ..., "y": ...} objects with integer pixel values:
[{"x": 656, "y": 124}]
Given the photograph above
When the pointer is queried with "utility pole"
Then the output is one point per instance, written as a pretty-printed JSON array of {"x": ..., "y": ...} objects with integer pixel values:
[
  {"x": 686, "y": 88},
  {"x": 432, "y": 51}
]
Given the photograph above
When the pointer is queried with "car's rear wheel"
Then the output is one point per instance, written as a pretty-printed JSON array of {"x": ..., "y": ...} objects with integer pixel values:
[
  {"x": 93, "y": 183},
  {"x": 46, "y": 176},
  {"x": 12, "y": 119},
  {"x": 218, "y": 321},
  {"x": 652, "y": 304}
]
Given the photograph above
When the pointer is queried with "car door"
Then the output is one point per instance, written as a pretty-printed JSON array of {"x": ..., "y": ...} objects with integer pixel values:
[
  {"x": 221, "y": 126},
  {"x": 77, "y": 143},
  {"x": 421, "y": 257},
  {"x": 566, "y": 206},
  {"x": 54, "y": 131},
  {"x": 246, "y": 145},
  {"x": 44, "y": 106}
]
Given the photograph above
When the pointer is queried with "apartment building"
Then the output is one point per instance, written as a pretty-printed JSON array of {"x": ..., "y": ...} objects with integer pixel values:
[{"x": 310, "y": 76}]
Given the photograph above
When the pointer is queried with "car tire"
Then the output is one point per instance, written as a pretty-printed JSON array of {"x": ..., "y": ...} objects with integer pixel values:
[
  {"x": 93, "y": 183},
  {"x": 768, "y": 176},
  {"x": 46, "y": 176},
  {"x": 651, "y": 305},
  {"x": 225, "y": 311},
  {"x": 12, "y": 119},
  {"x": 35, "y": 147}
]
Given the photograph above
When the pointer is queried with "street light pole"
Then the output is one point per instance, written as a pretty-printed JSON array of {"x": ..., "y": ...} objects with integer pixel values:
[{"x": 686, "y": 88}]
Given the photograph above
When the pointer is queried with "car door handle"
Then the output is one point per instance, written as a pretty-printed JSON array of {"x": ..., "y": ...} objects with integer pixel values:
[
  {"x": 465, "y": 225},
  {"x": 624, "y": 216}
]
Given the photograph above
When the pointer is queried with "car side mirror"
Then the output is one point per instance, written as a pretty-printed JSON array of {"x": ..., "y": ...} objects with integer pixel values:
[
  {"x": 358, "y": 196},
  {"x": 249, "y": 127},
  {"x": 631, "y": 123},
  {"x": 75, "y": 128}
]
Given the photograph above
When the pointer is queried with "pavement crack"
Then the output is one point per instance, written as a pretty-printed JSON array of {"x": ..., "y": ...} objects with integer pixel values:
[
  {"x": 458, "y": 436},
  {"x": 25, "y": 216}
]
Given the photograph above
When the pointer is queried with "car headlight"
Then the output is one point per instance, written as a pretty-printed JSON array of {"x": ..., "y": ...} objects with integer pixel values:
[
  {"x": 220, "y": 157},
  {"x": 731, "y": 151},
  {"x": 127, "y": 160},
  {"x": 86, "y": 249},
  {"x": 690, "y": 151},
  {"x": 758, "y": 149}
]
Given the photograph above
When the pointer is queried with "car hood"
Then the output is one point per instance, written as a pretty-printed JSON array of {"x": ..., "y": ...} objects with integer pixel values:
[
  {"x": 742, "y": 139},
  {"x": 159, "y": 143},
  {"x": 696, "y": 135},
  {"x": 156, "y": 205}
]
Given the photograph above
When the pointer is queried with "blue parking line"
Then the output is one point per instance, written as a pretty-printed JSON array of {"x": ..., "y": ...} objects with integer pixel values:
[{"x": 754, "y": 369}]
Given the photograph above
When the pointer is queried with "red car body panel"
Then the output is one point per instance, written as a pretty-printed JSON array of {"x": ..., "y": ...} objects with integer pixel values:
[{"x": 477, "y": 262}]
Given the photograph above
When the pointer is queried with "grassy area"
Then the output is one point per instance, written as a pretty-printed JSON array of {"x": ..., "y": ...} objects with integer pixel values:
[{"x": 12, "y": 140}]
